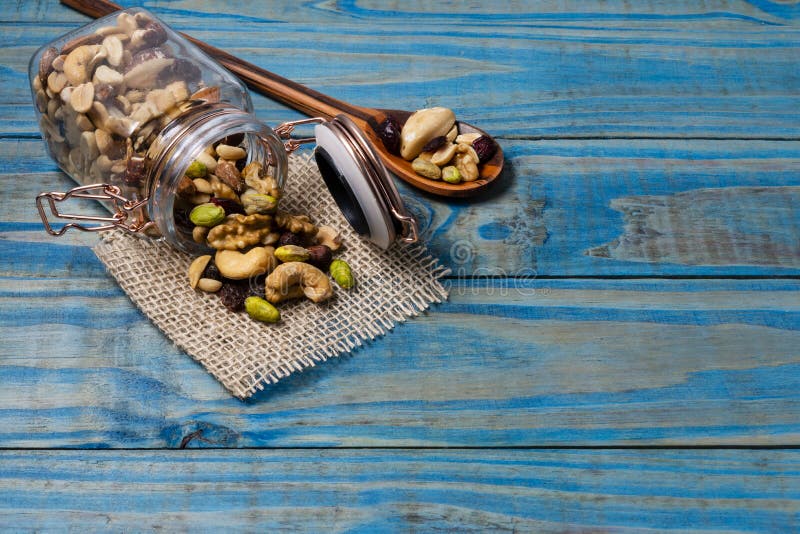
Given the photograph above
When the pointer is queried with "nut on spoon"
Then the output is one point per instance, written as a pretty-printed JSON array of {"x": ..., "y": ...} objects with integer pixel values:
[{"x": 314, "y": 103}]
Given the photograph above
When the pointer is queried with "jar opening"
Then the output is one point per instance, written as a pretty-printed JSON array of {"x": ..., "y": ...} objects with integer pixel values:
[
  {"x": 341, "y": 191},
  {"x": 181, "y": 142}
]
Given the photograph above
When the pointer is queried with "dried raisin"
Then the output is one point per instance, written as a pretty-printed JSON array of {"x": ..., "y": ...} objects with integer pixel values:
[
  {"x": 485, "y": 147},
  {"x": 389, "y": 132},
  {"x": 290, "y": 238},
  {"x": 230, "y": 206},
  {"x": 233, "y": 294}
]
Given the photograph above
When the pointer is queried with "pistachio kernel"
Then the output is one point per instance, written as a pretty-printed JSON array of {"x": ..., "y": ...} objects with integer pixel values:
[
  {"x": 451, "y": 175},
  {"x": 342, "y": 274},
  {"x": 196, "y": 169},
  {"x": 207, "y": 215},
  {"x": 287, "y": 253},
  {"x": 261, "y": 310}
]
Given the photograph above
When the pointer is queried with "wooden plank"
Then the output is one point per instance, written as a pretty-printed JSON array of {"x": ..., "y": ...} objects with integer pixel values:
[
  {"x": 563, "y": 208},
  {"x": 402, "y": 490},
  {"x": 504, "y": 363},
  {"x": 646, "y": 14},
  {"x": 607, "y": 69}
]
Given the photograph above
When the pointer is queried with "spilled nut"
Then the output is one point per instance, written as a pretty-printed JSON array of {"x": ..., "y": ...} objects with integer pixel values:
[
  {"x": 287, "y": 253},
  {"x": 283, "y": 282},
  {"x": 209, "y": 285},
  {"x": 340, "y": 271},
  {"x": 330, "y": 237},
  {"x": 241, "y": 266},
  {"x": 197, "y": 268},
  {"x": 261, "y": 310}
]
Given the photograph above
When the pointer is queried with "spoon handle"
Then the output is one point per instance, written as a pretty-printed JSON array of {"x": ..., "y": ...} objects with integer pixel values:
[{"x": 293, "y": 94}]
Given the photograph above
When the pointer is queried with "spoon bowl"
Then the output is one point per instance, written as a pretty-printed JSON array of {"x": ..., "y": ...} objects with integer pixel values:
[
  {"x": 316, "y": 104},
  {"x": 489, "y": 170}
]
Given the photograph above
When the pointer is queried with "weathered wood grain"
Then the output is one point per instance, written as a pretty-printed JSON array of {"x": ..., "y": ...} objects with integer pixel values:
[
  {"x": 653, "y": 69},
  {"x": 554, "y": 205},
  {"x": 599, "y": 105},
  {"x": 647, "y": 14},
  {"x": 504, "y": 363},
  {"x": 723, "y": 226},
  {"x": 402, "y": 490}
]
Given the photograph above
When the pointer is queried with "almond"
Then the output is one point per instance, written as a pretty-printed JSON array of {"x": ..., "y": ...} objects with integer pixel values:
[{"x": 77, "y": 62}]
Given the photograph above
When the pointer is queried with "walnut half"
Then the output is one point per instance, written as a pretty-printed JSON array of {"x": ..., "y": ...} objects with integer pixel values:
[{"x": 241, "y": 231}]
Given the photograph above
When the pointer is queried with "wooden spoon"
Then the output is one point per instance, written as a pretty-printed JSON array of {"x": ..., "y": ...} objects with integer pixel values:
[{"x": 314, "y": 103}]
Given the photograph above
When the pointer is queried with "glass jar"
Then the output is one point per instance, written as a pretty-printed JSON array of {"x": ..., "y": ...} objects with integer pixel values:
[{"x": 126, "y": 105}]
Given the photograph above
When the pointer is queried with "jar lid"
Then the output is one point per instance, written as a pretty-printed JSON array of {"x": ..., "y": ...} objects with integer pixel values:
[{"x": 360, "y": 184}]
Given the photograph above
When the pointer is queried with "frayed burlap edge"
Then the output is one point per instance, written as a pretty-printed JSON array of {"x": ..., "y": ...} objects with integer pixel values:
[{"x": 243, "y": 354}]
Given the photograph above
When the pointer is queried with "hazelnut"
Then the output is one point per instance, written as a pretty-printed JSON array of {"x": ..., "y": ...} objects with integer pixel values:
[{"x": 320, "y": 256}]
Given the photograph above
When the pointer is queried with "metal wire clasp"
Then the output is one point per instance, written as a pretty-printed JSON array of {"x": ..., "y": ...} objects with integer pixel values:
[
  {"x": 123, "y": 209},
  {"x": 285, "y": 129}
]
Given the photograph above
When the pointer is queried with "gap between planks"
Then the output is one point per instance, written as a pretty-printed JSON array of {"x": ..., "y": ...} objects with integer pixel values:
[{"x": 708, "y": 447}]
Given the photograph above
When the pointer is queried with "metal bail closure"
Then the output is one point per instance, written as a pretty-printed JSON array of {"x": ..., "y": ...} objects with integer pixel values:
[
  {"x": 359, "y": 182},
  {"x": 123, "y": 209}
]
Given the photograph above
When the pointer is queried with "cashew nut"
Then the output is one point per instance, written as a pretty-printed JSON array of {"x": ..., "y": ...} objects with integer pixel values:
[
  {"x": 77, "y": 62},
  {"x": 281, "y": 284},
  {"x": 467, "y": 138},
  {"x": 238, "y": 266},
  {"x": 82, "y": 97},
  {"x": 113, "y": 48},
  {"x": 444, "y": 154},
  {"x": 127, "y": 23},
  {"x": 56, "y": 81}
]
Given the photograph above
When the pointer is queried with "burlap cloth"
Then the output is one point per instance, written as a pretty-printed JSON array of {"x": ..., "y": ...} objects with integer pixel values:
[{"x": 243, "y": 354}]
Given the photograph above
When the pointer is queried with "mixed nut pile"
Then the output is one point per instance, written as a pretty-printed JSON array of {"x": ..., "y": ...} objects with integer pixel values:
[
  {"x": 100, "y": 89},
  {"x": 430, "y": 140},
  {"x": 103, "y": 99},
  {"x": 263, "y": 256}
]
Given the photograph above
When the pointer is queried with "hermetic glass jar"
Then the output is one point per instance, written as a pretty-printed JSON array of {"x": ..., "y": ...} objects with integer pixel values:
[{"x": 125, "y": 105}]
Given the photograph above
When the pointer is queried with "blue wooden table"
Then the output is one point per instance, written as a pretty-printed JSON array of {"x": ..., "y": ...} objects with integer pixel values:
[{"x": 621, "y": 347}]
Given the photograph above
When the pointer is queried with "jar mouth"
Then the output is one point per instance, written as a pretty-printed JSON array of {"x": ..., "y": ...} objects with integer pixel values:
[
  {"x": 360, "y": 184},
  {"x": 201, "y": 125}
]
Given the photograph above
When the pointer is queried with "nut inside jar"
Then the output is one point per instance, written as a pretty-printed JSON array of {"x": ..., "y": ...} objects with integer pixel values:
[{"x": 104, "y": 96}]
